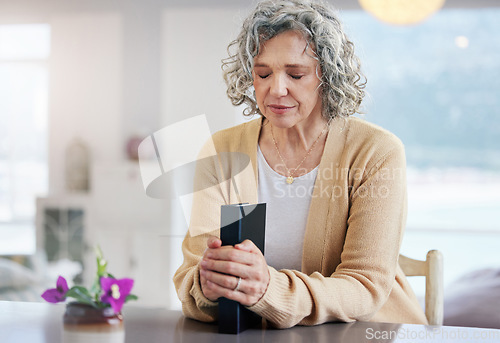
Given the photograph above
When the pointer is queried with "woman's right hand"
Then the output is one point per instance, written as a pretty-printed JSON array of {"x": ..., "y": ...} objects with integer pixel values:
[{"x": 212, "y": 243}]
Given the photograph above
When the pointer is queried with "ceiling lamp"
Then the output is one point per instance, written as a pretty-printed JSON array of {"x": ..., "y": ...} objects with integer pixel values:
[{"x": 402, "y": 12}]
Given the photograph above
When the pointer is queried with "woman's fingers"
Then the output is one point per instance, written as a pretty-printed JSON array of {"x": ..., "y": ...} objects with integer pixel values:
[
  {"x": 228, "y": 253},
  {"x": 213, "y": 242},
  {"x": 228, "y": 293},
  {"x": 223, "y": 280},
  {"x": 209, "y": 294},
  {"x": 227, "y": 267},
  {"x": 248, "y": 292},
  {"x": 222, "y": 266},
  {"x": 248, "y": 245}
]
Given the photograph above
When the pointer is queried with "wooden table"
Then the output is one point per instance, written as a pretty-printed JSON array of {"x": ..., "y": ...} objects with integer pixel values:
[{"x": 40, "y": 322}]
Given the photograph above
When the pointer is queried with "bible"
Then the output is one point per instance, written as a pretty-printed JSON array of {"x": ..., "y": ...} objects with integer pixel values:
[{"x": 238, "y": 223}]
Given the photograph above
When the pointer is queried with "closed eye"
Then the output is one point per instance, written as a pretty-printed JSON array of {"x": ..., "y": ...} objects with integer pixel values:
[
  {"x": 296, "y": 77},
  {"x": 264, "y": 76}
]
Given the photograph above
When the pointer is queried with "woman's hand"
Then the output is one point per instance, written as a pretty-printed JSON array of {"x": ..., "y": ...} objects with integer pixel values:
[{"x": 222, "y": 266}]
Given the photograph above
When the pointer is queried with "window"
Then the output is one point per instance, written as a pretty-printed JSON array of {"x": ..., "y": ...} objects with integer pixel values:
[
  {"x": 436, "y": 86},
  {"x": 24, "y": 52}
]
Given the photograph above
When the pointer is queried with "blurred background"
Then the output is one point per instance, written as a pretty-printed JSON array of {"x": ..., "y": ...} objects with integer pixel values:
[{"x": 82, "y": 82}]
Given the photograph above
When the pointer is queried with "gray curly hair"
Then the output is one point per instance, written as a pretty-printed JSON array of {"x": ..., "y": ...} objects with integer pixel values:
[{"x": 342, "y": 83}]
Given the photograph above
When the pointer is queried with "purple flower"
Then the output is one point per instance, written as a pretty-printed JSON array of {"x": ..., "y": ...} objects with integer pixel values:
[
  {"x": 58, "y": 294},
  {"x": 115, "y": 291}
]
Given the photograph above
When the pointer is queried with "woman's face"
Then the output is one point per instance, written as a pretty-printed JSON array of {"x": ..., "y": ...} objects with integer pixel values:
[{"x": 285, "y": 81}]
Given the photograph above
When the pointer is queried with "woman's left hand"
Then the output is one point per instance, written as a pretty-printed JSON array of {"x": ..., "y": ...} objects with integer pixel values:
[{"x": 222, "y": 267}]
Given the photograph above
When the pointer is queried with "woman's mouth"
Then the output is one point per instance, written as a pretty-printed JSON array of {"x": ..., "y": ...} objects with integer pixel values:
[{"x": 279, "y": 109}]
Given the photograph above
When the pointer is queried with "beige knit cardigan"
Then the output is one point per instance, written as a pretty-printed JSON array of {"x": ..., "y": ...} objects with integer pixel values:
[{"x": 350, "y": 267}]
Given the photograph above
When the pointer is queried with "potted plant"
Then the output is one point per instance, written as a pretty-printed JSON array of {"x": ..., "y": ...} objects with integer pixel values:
[{"x": 94, "y": 311}]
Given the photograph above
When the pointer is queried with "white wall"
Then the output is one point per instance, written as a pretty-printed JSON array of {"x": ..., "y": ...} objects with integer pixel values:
[
  {"x": 194, "y": 41},
  {"x": 85, "y": 89}
]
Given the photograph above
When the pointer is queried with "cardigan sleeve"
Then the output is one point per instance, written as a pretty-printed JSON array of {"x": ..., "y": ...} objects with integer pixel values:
[
  {"x": 187, "y": 282},
  {"x": 362, "y": 282}
]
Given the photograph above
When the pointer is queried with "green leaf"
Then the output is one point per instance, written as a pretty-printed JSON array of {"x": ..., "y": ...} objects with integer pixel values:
[
  {"x": 101, "y": 262},
  {"x": 81, "y": 294},
  {"x": 96, "y": 287},
  {"x": 131, "y": 297}
]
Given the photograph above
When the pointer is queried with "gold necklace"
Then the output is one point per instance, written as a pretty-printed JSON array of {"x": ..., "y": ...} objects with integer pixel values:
[{"x": 290, "y": 178}]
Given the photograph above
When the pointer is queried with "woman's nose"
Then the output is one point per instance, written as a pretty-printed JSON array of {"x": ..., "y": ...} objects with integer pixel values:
[{"x": 278, "y": 86}]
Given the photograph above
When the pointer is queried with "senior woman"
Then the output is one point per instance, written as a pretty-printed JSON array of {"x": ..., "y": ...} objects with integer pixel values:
[{"x": 334, "y": 185}]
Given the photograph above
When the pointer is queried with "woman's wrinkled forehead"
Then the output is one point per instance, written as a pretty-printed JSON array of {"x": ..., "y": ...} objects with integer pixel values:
[{"x": 308, "y": 45}]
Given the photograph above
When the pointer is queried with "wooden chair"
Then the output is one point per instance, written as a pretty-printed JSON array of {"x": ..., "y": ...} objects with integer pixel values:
[{"x": 432, "y": 269}]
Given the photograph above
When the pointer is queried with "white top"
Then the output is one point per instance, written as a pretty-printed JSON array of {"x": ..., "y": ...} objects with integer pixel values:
[{"x": 286, "y": 214}]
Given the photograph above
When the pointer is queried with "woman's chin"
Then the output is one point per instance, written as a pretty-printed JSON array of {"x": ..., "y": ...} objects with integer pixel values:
[{"x": 282, "y": 121}]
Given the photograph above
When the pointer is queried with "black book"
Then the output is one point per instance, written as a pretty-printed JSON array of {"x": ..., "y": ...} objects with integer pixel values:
[{"x": 238, "y": 223}]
